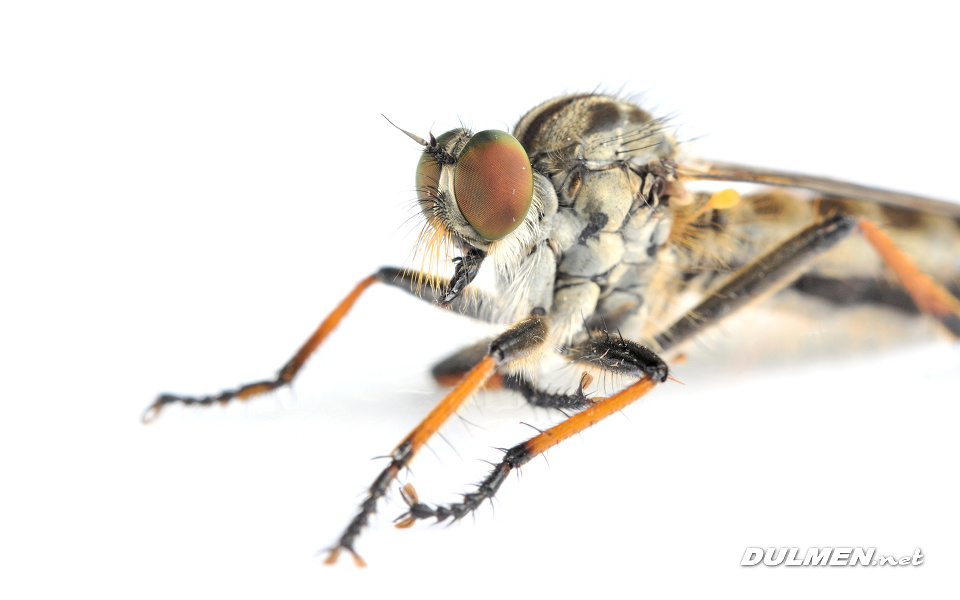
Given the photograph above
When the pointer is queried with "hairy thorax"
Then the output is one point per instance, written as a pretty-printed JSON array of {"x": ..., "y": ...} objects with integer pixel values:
[{"x": 610, "y": 164}]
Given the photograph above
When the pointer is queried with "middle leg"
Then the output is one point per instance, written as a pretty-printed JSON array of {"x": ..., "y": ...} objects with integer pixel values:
[
  {"x": 603, "y": 351},
  {"x": 449, "y": 371}
]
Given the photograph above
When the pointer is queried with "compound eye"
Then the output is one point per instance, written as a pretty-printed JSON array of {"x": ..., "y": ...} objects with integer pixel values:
[
  {"x": 428, "y": 171},
  {"x": 428, "y": 177},
  {"x": 493, "y": 183}
]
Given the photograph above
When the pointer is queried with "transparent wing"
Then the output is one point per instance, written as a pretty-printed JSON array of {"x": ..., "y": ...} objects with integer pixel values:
[{"x": 721, "y": 171}]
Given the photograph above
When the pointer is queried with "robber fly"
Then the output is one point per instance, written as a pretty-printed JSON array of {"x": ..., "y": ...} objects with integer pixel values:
[{"x": 586, "y": 217}]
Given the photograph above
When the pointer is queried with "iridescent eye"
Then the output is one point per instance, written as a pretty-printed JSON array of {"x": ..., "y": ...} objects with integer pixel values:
[
  {"x": 428, "y": 171},
  {"x": 493, "y": 183}
]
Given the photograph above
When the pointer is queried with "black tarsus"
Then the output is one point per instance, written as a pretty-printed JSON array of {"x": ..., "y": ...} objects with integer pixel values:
[
  {"x": 223, "y": 397},
  {"x": 544, "y": 399},
  {"x": 487, "y": 488}
]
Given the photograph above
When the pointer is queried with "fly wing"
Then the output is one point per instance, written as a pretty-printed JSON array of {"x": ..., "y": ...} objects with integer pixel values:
[{"x": 722, "y": 171}]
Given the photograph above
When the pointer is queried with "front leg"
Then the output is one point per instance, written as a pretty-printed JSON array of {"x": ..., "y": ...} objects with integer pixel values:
[
  {"x": 427, "y": 287},
  {"x": 286, "y": 373}
]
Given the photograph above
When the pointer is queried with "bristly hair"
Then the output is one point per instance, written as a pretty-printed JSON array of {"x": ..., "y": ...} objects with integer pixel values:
[
  {"x": 434, "y": 247},
  {"x": 715, "y": 237}
]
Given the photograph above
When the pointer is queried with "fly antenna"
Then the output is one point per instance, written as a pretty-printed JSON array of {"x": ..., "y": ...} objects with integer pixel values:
[{"x": 413, "y": 137}]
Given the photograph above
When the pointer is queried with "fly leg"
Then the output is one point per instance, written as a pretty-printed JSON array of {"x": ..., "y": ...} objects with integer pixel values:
[
  {"x": 604, "y": 351},
  {"x": 286, "y": 373},
  {"x": 759, "y": 279},
  {"x": 929, "y": 296},
  {"x": 522, "y": 339},
  {"x": 544, "y": 399},
  {"x": 786, "y": 262},
  {"x": 451, "y": 370},
  {"x": 427, "y": 287}
]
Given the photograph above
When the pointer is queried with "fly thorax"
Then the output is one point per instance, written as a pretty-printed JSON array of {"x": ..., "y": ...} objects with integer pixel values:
[{"x": 609, "y": 162}]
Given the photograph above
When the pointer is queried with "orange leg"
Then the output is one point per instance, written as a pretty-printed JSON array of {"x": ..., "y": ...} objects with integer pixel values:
[
  {"x": 284, "y": 376},
  {"x": 517, "y": 342},
  {"x": 422, "y": 285},
  {"x": 451, "y": 370},
  {"x": 930, "y": 296}
]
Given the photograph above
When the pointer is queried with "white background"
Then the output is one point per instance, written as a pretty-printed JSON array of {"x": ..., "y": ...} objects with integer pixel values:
[{"x": 187, "y": 188}]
